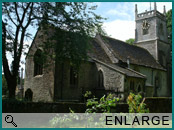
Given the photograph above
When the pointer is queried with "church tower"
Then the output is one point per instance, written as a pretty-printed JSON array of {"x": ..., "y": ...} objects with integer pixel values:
[{"x": 151, "y": 33}]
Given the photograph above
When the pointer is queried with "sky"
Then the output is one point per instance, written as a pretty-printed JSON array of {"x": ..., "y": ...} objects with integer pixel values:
[
  {"x": 121, "y": 16},
  {"x": 120, "y": 23}
]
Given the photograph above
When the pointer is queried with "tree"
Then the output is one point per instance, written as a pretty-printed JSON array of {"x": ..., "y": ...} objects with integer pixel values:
[
  {"x": 169, "y": 25},
  {"x": 73, "y": 22},
  {"x": 130, "y": 41},
  {"x": 4, "y": 86}
]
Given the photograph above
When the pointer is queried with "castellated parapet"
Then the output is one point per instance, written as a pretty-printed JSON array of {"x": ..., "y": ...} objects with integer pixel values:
[{"x": 148, "y": 14}]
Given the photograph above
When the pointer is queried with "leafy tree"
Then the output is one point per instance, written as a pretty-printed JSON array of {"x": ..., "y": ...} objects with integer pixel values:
[
  {"x": 169, "y": 25},
  {"x": 73, "y": 23},
  {"x": 130, "y": 41}
]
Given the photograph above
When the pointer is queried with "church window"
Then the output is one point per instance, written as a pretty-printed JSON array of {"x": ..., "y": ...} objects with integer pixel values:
[
  {"x": 132, "y": 86},
  {"x": 145, "y": 31},
  {"x": 100, "y": 79},
  {"x": 156, "y": 82},
  {"x": 139, "y": 88},
  {"x": 28, "y": 95},
  {"x": 38, "y": 63},
  {"x": 73, "y": 76},
  {"x": 156, "y": 86}
]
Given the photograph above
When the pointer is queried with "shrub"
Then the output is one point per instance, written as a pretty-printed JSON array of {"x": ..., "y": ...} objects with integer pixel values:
[
  {"x": 136, "y": 104},
  {"x": 103, "y": 105}
]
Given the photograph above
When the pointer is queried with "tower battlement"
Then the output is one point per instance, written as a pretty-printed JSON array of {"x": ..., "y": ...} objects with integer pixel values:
[
  {"x": 151, "y": 33},
  {"x": 148, "y": 14}
]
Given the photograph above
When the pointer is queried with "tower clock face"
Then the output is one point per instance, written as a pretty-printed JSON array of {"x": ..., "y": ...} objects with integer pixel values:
[{"x": 145, "y": 25}]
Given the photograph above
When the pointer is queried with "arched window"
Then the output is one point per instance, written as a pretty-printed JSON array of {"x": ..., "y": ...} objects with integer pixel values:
[
  {"x": 156, "y": 86},
  {"x": 139, "y": 88},
  {"x": 156, "y": 82},
  {"x": 38, "y": 63},
  {"x": 161, "y": 30},
  {"x": 132, "y": 86},
  {"x": 100, "y": 79},
  {"x": 28, "y": 95},
  {"x": 145, "y": 27},
  {"x": 73, "y": 77}
]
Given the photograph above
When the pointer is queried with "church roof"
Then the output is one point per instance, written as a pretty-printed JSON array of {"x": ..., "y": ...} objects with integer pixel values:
[
  {"x": 129, "y": 72},
  {"x": 126, "y": 71},
  {"x": 136, "y": 55},
  {"x": 97, "y": 52}
]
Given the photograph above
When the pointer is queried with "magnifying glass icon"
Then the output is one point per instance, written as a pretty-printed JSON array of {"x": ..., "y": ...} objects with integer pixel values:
[{"x": 9, "y": 119}]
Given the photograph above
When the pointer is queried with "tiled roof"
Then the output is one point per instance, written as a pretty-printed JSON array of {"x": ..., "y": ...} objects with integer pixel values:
[
  {"x": 125, "y": 71},
  {"x": 137, "y": 55},
  {"x": 97, "y": 52},
  {"x": 128, "y": 72}
]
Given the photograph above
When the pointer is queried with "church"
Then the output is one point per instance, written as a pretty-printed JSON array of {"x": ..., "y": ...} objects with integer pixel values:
[{"x": 113, "y": 66}]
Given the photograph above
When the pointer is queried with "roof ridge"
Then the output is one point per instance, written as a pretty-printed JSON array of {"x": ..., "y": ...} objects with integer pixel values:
[
  {"x": 134, "y": 51},
  {"x": 108, "y": 65},
  {"x": 113, "y": 38},
  {"x": 136, "y": 72}
]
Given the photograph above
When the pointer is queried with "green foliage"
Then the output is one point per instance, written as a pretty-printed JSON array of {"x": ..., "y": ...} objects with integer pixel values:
[
  {"x": 130, "y": 41},
  {"x": 136, "y": 105},
  {"x": 87, "y": 94},
  {"x": 70, "y": 110},
  {"x": 103, "y": 105},
  {"x": 67, "y": 30},
  {"x": 169, "y": 25},
  {"x": 72, "y": 33}
]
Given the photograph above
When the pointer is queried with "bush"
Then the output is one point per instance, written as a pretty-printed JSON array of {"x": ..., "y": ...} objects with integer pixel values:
[
  {"x": 103, "y": 105},
  {"x": 136, "y": 104}
]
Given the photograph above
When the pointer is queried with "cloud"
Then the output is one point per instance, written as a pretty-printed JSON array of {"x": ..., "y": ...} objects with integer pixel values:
[
  {"x": 121, "y": 11},
  {"x": 123, "y": 27},
  {"x": 120, "y": 29},
  {"x": 116, "y": 12}
]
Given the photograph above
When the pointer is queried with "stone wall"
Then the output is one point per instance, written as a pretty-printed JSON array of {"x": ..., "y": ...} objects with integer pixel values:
[
  {"x": 152, "y": 30},
  {"x": 113, "y": 80},
  {"x": 163, "y": 53},
  {"x": 42, "y": 86},
  {"x": 162, "y": 29},
  {"x": 138, "y": 82},
  {"x": 87, "y": 81},
  {"x": 151, "y": 74},
  {"x": 150, "y": 46}
]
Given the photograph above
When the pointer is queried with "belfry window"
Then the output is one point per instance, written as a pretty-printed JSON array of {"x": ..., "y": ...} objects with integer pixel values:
[
  {"x": 100, "y": 79},
  {"x": 73, "y": 77},
  {"x": 161, "y": 30},
  {"x": 145, "y": 27},
  {"x": 145, "y": 31},
  {"x": 38, "y": 63}
]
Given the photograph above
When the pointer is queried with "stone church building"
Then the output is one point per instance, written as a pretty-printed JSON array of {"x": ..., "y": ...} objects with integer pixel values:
[{"x": 113, "y": 66}]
